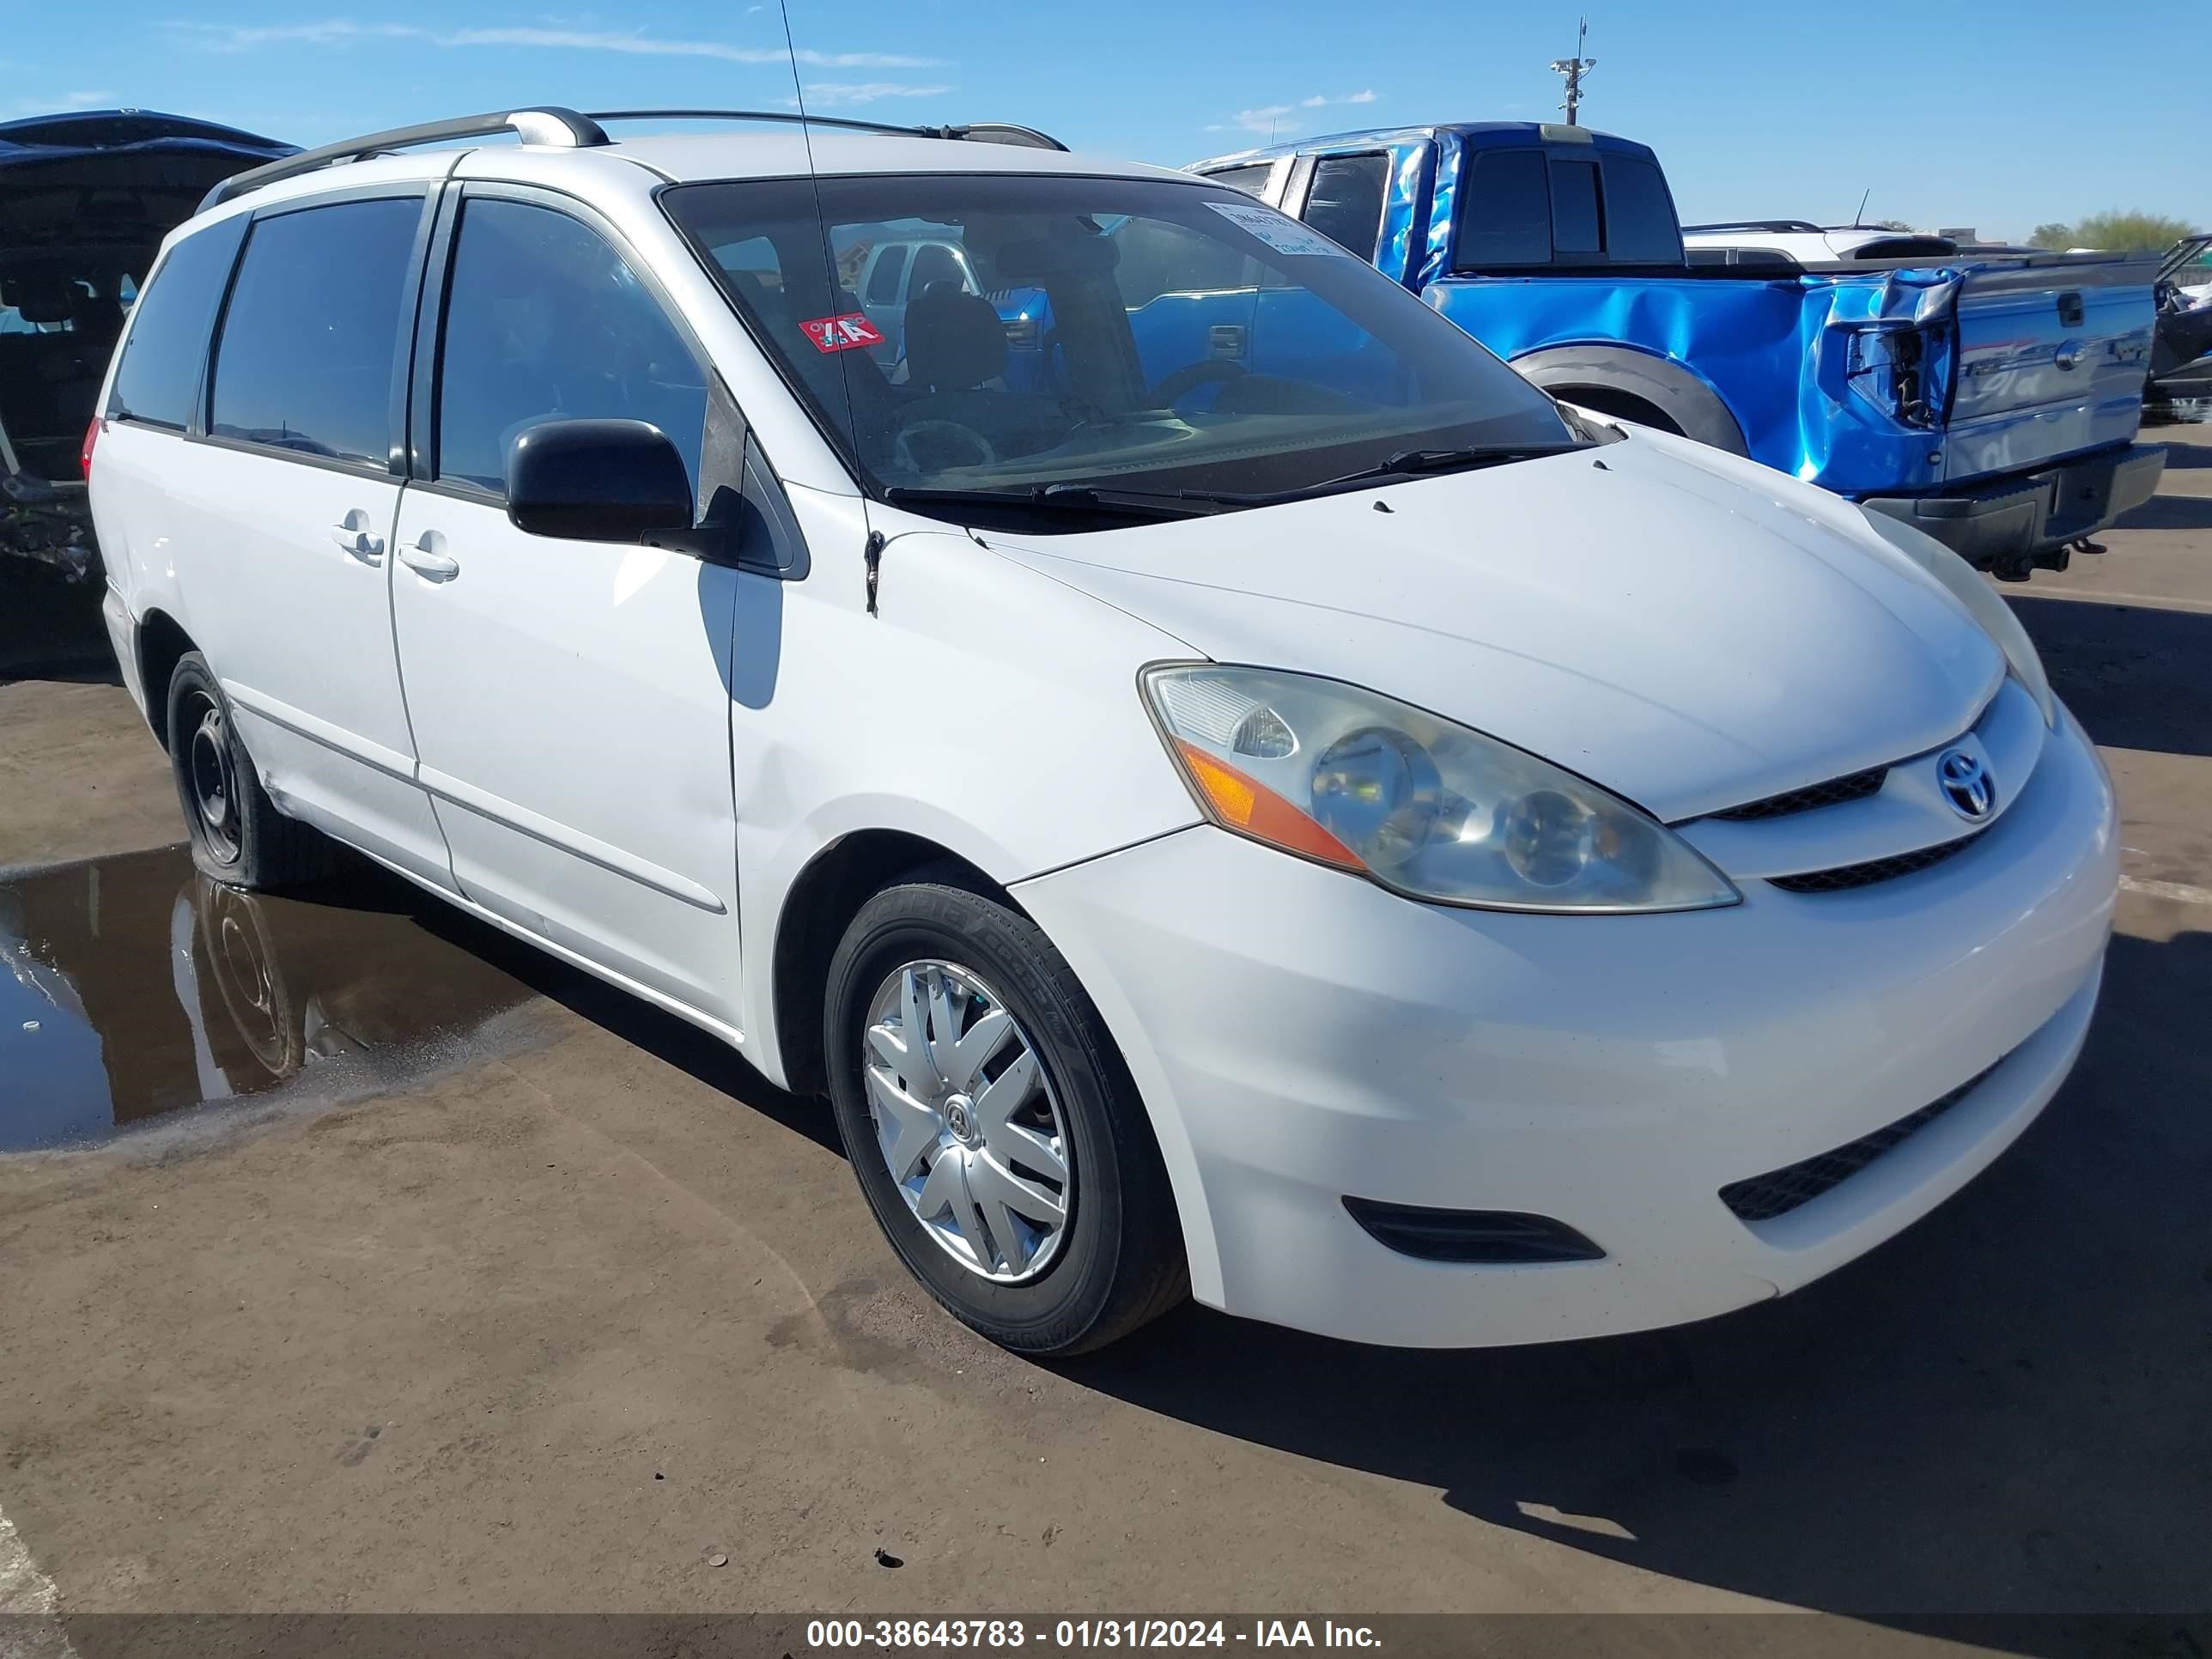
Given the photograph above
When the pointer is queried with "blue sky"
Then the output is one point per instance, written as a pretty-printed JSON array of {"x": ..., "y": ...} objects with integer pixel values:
[{"x": 1993, "y": 114}]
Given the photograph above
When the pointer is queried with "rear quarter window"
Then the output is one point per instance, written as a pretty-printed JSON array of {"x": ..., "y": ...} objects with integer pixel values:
[
  {"x": 1251, "y": 179},
  {"x": 160, "y": 373}
]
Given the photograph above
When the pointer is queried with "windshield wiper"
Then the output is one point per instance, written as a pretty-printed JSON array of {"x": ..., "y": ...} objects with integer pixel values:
[
  {"x": 1109, "y": 500},
  {"x": 1067, "y": 497},
  {"x": 1417, "y": 463}
]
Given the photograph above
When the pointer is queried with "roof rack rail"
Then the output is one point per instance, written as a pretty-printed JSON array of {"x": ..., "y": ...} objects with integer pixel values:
[
  {"x": 981, "y": 132},
  {"x": 550, "y": 124},
  {"x": 546, "y": 125},
  {"x": 1795, "y": 226}
]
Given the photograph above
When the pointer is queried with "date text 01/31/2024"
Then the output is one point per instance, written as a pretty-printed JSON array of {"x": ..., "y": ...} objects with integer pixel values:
[{"x": 930, "y": 1634}]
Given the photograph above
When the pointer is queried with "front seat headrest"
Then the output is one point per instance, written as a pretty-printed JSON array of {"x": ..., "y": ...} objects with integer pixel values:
[
  {"x": 954, "y": 339},
  {"x": 39, "y": 299}
]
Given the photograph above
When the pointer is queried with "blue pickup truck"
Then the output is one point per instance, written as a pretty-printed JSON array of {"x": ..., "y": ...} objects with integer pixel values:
[{"x": 1991, "y": 400}]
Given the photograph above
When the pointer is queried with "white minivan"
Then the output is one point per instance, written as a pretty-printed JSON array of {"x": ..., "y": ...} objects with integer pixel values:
[{"x": 1335, "y": 832}]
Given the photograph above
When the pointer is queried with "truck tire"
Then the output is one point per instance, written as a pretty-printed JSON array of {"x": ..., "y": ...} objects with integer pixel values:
[{"x": 1615, "y": 381}]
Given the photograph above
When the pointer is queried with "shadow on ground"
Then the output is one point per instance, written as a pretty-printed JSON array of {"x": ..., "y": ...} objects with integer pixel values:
[
  {"x": 2134, "y": 676},
  {"x": 2001, "y": 1411},
  {"x": 51, "y": 629},
  {"x": 2169, "y": 512},
  {"x": 2180, "y": 456}
]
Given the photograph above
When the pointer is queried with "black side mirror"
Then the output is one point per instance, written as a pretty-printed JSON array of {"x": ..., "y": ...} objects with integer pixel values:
[{"x": 595, "y": 481}]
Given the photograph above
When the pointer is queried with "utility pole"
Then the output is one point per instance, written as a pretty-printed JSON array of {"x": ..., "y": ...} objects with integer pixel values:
[{"x": 1574, "y": 69}]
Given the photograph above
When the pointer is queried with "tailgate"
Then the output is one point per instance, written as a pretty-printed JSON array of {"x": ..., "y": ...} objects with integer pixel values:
[{"x": 2051, "y": 356}]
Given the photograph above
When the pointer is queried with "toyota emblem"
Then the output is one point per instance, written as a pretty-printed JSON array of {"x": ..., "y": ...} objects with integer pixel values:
[{"x": 1966, "y": 784}]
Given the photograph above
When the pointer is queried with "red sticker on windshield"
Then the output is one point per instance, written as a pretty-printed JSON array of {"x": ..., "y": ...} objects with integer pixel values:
[{"x": 843, "y": 333}]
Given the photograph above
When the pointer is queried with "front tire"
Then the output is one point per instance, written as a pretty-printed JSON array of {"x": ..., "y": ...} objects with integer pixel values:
[
  {"x": 237, "y": 835},
  {"x": 992, "y": 1127}
]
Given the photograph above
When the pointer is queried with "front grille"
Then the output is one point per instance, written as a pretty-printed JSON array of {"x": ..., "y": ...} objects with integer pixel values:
[
  {"x": 1847, "y": 876},
  {"x": 1834, "y": 793},
  {"x": 1762, "y": 1198},
  {"x": 1471, "y": 1236}
]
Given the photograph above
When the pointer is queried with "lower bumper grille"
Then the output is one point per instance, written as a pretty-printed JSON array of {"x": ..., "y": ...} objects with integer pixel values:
[
  {"x": 1497, "y": 1236},
  {"x": 1762, "y": 1198}
]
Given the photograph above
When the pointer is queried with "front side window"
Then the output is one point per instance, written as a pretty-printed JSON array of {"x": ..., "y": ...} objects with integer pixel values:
[
  {"x": 935, "y": 263},
  {"x": 169, "y": 328},
  {"x": 1346, "y": 202},
  {"x": 883, "y": 280},
  {"x": 1124, "y": 333},
  {"x": 545, "y": 320},
  {"x": 312, "y": 330}
]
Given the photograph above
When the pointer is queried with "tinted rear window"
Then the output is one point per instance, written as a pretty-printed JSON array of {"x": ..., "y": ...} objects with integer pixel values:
[
  {"x": 1505, "y": 210},
  {"x": 312, "y": 333},
  {"x": 1639, "y": 217},
  {"x": 160, "y": 366},
  {"x": 1574, "y": 209}
]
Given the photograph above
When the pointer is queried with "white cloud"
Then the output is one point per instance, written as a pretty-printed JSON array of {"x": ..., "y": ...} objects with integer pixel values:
[
  {"x": 67, "y": 100},
  {"x": 1274, "y": 120},
  {"x": 830, "y": 94},
  {"x": 340, "y": 31}
]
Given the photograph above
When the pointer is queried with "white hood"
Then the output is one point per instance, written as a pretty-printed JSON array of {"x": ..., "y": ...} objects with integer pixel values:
[{"x": 1690, "y": 630}]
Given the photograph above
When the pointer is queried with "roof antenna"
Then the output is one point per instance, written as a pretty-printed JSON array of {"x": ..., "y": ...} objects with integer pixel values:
[
  {"x": 1574, "y": 69},
  {"x": 872, "y": 550},
  {"x": 1858, "y": 219}
]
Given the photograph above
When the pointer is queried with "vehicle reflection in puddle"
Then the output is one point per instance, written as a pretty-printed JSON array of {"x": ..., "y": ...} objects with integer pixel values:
[{"x": 134, "y": 987}]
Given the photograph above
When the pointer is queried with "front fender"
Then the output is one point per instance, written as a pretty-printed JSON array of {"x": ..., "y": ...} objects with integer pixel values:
[{"x": 987, "y": 708}]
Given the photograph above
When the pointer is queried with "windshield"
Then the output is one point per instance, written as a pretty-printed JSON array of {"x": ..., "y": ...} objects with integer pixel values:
[{"x": 994, "y": 334}]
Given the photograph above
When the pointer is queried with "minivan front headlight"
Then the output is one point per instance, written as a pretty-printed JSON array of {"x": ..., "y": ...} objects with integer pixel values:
[
  {"x": 1966, "y": 585},
  {"x": 1420, "y": 805}
]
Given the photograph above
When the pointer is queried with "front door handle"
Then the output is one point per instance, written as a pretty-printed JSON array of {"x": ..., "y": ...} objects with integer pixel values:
[
  {"x": 352, "y": 533},
  {"x": 429, "y": 558}
]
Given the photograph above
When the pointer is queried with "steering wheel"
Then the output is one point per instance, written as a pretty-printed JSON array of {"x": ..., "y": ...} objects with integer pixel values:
[
  {"x": 1191, "y": 376},
  {"x": 962, "y": 437}
]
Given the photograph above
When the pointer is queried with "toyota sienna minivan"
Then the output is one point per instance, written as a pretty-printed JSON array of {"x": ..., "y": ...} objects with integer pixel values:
[{"x": 1360, "y": 843}]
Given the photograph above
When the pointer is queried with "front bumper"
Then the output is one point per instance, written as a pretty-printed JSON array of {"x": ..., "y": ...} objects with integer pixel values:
[
  {"x": 1300, "y": 1035},
  {"x": 2013, "y": 523}
]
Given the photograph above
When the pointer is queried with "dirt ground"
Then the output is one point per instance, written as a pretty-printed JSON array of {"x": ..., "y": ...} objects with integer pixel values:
[{"x": 494, "y": 1291}]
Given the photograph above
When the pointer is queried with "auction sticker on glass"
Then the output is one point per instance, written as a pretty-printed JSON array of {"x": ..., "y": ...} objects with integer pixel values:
[{"x": 1282, "y": 235}]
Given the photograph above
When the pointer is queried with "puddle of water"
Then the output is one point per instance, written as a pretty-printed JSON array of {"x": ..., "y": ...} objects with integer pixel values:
[{"x": 133, "y": 986}]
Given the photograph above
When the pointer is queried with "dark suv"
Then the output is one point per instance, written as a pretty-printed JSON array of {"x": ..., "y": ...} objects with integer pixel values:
[{"x": 85, "y": 199}]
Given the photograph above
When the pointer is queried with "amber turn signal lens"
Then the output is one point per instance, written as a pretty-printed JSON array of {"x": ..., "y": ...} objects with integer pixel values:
[{"x": 1251, "y": 808}]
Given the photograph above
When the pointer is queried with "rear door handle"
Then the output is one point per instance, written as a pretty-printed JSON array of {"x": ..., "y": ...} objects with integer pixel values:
[
  {"x": 353, "y": 534},
  {"x": 429, "y": 558}
]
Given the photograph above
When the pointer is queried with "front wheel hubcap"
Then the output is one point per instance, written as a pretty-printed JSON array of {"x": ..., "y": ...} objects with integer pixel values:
[{"x": 967, "y": 1121}]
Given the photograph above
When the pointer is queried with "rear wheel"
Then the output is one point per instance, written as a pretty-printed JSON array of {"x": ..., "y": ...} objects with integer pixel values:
[
  {"x": 992, "y": 1125},
  {"x": 237, "y": 835}
]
